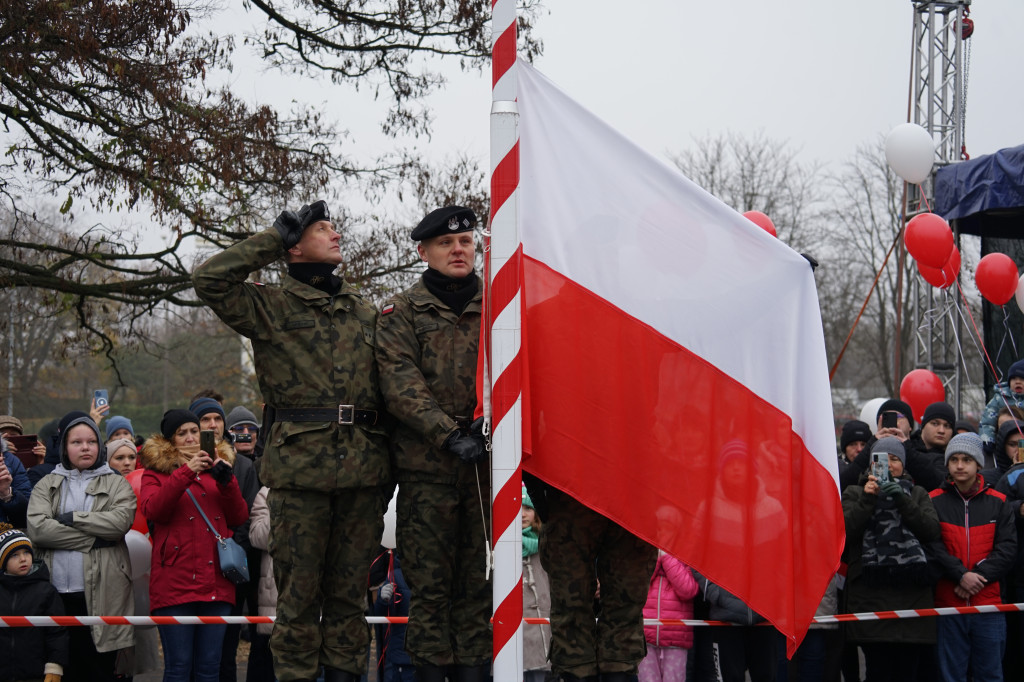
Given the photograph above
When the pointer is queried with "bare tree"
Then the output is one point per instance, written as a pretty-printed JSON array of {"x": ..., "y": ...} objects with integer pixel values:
[{"x": 758, "y": 173}]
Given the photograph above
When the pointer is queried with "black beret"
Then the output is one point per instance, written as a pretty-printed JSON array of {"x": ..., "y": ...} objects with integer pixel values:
[
  {"x": 311, "y": 213},
  {"x": 447, "y": 220}
]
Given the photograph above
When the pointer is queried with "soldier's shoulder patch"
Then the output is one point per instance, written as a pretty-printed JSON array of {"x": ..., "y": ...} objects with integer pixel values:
[{"x": 387, "y": 309}]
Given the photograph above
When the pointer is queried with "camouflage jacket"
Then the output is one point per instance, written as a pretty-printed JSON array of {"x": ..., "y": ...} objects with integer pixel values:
[
  {"x": 427, "y": 359},
  {"x": 311, "y": 349}
]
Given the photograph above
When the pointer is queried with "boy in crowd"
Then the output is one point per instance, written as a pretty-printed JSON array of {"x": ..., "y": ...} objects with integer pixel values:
[
  {"x": 25, "y": 590},
  {"x": 1009, "y": 393},
  {"x": 979, "y": 544}
]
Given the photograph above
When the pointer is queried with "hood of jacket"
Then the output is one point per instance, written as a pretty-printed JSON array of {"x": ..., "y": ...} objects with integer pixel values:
[
  {"x": 37, "y": 574},
  {"x": 159, "y": 454},
  {"x": 62, "y": 446}
]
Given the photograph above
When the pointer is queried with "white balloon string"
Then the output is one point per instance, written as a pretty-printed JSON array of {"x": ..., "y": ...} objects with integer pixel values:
[
  {"x": 959, "y": 346},
  {"x": 1007, "y": 334}
]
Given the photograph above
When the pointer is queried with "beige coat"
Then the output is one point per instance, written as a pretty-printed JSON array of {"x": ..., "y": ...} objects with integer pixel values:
[
  {"x": 259, "y": 537},
  {"x": 108, "y": 581}
]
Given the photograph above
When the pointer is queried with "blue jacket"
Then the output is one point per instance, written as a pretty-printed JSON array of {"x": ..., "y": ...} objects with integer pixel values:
[
  {"x": 13, "y": 512},
  {"x": 1002, "y": 397}
]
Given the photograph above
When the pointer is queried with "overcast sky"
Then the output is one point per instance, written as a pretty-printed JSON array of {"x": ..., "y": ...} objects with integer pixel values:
[{"x": 824, "y": 75}]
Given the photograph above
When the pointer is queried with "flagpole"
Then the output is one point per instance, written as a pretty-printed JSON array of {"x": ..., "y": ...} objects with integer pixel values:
[{"x": 504, "y": 307}]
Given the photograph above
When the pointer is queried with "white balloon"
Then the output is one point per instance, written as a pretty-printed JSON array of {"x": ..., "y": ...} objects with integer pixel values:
[
  {"x": 140, "y": 552},
  {"x": 910, "y": 152},
  {"x": 1020, "y": 293},
  {"x": 390, "y": 520},
  {"x": 869, "y": 413}
]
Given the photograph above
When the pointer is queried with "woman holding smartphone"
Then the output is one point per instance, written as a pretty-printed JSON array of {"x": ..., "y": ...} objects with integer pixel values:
[
  {"x": 186, "y": 579},
  {"x": 888, "y": 525}
]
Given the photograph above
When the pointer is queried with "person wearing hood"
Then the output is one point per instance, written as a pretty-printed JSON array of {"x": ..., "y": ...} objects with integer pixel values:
[
  {"x": 78, "y": 516},
  {"x": 52, "y": 458},
  {"x": 1009, "y": 393},
  {"x": 186, "y": 579},
  {"x": 888, "y": 525}
]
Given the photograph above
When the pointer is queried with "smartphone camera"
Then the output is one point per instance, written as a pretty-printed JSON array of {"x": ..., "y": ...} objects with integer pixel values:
[
  {"x": 880, "y": 466},
  {"x": 99, "y": 397}
]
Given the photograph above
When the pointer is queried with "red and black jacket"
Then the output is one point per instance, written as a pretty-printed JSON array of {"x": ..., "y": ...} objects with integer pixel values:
[{"x": 977, "y": 535}]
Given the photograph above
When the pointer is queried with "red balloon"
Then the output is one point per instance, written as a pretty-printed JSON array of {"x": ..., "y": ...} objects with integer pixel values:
[
  {"x": 762, "y": 221},
  {"x": 997, "y": 278},
  {"x": 929, "y": 239},
  {"x": 919, "y": 389},
  {"x": 933, "y": 276},
  {"x": 942, "y": 278},
  {"x": 951, "y": 269}
]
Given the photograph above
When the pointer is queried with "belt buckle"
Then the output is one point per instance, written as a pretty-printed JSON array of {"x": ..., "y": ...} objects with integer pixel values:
[{"x": 346, "y": 414}]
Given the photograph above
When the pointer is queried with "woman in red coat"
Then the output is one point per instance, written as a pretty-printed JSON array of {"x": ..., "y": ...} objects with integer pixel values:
[
  {"x": 186, "y": 579},
  {"x": 670, "y": 596}
]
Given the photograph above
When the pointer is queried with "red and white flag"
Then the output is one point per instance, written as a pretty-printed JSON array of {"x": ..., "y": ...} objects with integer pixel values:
[{"x": 675, "y": 373}]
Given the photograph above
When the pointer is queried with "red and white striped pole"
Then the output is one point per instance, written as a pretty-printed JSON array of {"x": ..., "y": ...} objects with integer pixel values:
[{"x": 503, "y": 307}]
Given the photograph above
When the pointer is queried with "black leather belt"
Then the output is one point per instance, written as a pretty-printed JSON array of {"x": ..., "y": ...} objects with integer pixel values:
[{"x": 343, "y": 414}]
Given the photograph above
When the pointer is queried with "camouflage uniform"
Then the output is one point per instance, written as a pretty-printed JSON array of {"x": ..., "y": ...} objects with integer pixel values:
[
  {"x": 427, "y": 356},
  {"x": 329, "y": 482},
  {"x": 578, "y": 547}
]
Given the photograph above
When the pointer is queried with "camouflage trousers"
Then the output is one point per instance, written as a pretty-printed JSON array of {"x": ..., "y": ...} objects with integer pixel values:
[
  {"x": 322, "y": 545},
  {"x": 440, "y": 536},
  {"x": 580, "y": 548}
]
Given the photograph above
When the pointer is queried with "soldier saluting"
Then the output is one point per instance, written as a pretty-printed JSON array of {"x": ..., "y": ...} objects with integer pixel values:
[
  {"x": 427, "y": 340},
  {"x": 325, "y": 456}
]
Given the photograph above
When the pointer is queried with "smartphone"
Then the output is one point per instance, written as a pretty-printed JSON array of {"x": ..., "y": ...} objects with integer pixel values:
[
  {"x": 99, "y": 397},
  {"x": 880, "y": 466},
  {"x": 889, "y": 420},
  {"x": 207, "y": 443}
]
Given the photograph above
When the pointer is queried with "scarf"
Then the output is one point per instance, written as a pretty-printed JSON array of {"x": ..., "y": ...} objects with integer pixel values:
[
  {"x": 454, "y": 293},
  {"x": 317, "y": 275},
  {"x": 891, "y": 555},
  {"x": 531, "y": 543}
]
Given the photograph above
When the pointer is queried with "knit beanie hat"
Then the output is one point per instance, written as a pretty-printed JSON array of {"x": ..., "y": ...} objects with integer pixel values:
[
  {"x": 116, "y": 423},
  {"x": 853, "y": 431},
  {"x": 101, "y": 456},
  {"x": 115, "y": 445},
  {"x": 206, "y": 406},
  {"x": 239, "y": 416},
  {"x": 11, "y": 540},
  {"x": 735, "y": 449},
  {"x": 1016, "y": 370},
  {"x": 893, "y": 405},
  {"x": 890, "y": 445},
  {"x": 966, "y": 444},
  {"x": 173, "y": 419},
  {"x": 964, "y": 425},
  {"x": 939, "y": 410},
  {"x": 9, "y": 422},
  {"x": 527, "y": 502}
]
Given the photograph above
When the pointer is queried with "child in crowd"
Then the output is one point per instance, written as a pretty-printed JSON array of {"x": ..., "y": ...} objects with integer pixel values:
[
  {"x": 670, "y": 596},
  {"x": 978, "y": 548},
  {"x": 1009, "y": 393},
  {"x": 25, "y": 590}
]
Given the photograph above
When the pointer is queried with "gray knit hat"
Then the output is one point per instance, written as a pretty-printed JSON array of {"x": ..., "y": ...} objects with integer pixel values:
[
  {"x": 239, "y": 416},
  {"x": 890, "y": 445},
  {"x": 966, "y": 444}
]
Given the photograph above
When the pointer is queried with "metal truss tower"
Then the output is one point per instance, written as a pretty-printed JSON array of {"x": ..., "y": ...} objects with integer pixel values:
[{"x": 938, "y": 99}]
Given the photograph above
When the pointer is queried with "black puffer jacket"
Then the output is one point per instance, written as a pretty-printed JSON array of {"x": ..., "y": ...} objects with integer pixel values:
[{"x": 24, "y": 652}]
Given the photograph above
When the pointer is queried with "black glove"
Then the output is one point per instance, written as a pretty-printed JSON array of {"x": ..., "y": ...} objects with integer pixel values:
[
  {"x": 67, "y": 518},
  {"x": 222, "y": 473},
  {"x": 477, "y": 427},
  {"x": 100, "y": 543},
  {"x": 289, "y": 227},
  {"x": 470, "y": 449},
  {"x": 893, "y": 489}
]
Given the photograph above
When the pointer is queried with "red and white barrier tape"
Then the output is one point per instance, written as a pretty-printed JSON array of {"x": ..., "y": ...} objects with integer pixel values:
[{"x": 44, "y": 621}]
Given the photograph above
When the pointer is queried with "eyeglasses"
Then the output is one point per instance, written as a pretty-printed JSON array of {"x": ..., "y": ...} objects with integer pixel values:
[{"x": 245, "y": 428}]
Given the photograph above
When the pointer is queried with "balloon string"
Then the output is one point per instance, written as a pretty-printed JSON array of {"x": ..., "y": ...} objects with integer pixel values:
[
  {"x": 924, "y": 199},
  {"x": 984, "y": 350},
  {"x": 959, "y": 343},
  {"x": 1008, "y": 334},
  {"x": 842, "y": 351}
]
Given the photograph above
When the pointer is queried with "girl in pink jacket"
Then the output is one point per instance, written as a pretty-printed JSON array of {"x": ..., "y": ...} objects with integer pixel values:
[{"x": 670, "y": 596}]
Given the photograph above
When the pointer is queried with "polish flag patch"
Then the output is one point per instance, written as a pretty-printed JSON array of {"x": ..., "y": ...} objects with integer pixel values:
[{"x": 389, "y": 308}]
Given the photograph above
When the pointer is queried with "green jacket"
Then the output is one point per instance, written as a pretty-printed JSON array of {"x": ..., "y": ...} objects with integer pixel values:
[
  {"x": 310, "y": 349},
  {"x": 108, "y": 581},
  {"x": 427, "y": 356}
]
